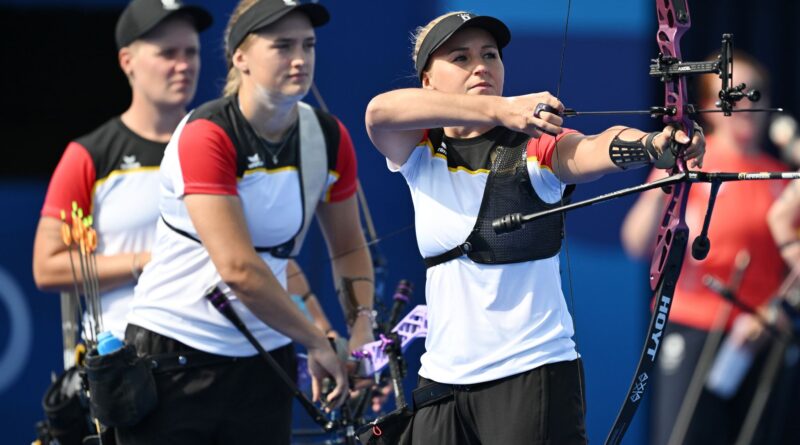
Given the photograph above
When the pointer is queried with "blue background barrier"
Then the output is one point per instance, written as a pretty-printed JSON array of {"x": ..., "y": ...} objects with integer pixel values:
[{"x": 362, "y": 52}]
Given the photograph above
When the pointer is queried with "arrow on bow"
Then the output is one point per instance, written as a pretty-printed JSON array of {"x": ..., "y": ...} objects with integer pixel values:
[{"x": 673, "y": 233}]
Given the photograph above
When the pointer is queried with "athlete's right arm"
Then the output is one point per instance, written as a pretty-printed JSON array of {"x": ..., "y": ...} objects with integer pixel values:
[
  {"x": 396, "y": 120},
  {"x": 220, "y": 224},
  {"x": 53, "y": 272},
  {"x": 72, "y": 183}
]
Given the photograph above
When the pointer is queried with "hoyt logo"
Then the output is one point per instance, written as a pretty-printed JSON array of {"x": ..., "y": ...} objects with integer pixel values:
[{"x": 661, "y": 321}]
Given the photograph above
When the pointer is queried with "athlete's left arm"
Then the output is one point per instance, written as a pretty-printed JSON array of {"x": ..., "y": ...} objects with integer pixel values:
[
  {"x": 351, "y": 262},
  {"x": 582, "y": 158}
]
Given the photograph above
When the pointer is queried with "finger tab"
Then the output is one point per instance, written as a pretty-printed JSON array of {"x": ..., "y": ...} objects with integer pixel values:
[{"x": 544, "y": 107}]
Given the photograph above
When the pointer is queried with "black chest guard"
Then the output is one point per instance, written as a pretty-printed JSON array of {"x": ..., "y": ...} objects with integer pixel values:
[{"x": 508, "y": 190}]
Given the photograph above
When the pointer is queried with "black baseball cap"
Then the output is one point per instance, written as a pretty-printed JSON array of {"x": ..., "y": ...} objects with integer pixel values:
[
  {"x": 267, "y": 12},
  {"x": 141, "y": 16},
  {"x": 448, "y": 26}
]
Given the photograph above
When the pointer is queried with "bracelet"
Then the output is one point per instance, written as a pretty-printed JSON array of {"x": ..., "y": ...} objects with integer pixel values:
[
  {"x": 788, "y": 243},
  {"x": 135, "y": 267},
  {"x": 306, "y": 296},
  {"x": 370, "y": 313}
]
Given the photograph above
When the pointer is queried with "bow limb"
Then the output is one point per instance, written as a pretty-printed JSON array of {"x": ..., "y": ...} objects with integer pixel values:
[{"x": 673, "y": 233}]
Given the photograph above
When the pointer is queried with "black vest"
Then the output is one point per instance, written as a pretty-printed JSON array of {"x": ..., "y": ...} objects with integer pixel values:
[
  {"x": 313, "y": 148},
  {"x": 508, "y": 190}
]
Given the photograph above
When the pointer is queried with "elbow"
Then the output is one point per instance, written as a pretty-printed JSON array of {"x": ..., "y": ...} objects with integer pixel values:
[
  {"x": 45, "y": 280},
  {"x": 375, "y": 116},
  {"x": 371, "y": 115},
  {"x": 240, "y": 275}
]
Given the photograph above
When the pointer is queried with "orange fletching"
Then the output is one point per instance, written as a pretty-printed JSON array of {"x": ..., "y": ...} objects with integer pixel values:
[
  {"x": 91, "y": 239},
  {"x": 66, "y": 234}
]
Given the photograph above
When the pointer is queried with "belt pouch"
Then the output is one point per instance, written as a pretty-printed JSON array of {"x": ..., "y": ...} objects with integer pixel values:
[{"x": 122, "y": 390}]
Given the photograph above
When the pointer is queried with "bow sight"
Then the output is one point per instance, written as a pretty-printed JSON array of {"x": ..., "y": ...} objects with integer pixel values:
[{"x": 668, "y": 68}]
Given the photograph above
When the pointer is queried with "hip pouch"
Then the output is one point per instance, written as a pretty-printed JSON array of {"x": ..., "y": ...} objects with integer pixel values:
[
  {"x": 64, "y": 405},
  {"x": 122, "y": 390}
]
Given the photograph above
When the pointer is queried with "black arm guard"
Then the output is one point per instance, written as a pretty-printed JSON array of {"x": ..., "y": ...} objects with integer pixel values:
[{"x": 633, "y": 154}]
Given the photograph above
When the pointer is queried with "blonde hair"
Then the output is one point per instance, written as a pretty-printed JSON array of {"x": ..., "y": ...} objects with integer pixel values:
[
  {"x": 421, "y": 32},
  {"x": 234, "y": 78}
]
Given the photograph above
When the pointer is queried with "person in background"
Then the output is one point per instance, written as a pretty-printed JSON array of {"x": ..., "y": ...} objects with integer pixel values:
[
  {"x": 112, "y": 172},
  {"x": 300, "y": 290},
  {"x": 738, "y": 225}
]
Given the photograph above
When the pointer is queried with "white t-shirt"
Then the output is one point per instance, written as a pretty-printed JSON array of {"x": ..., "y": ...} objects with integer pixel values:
[
  {"x": 213, "y": 152},
  {"x": 112, "y": 174},
  {"x": 485, "y": 322}
]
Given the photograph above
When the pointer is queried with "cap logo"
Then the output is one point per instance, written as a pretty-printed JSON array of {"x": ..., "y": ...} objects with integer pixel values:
[
  {"x": 171, "y": 4},
  {"x": 290, "y": 2},
  {"x": 465, "y": 17}
]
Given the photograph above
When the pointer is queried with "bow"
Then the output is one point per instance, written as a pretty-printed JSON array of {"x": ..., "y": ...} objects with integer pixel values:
[{"x": 673, "y": 233}]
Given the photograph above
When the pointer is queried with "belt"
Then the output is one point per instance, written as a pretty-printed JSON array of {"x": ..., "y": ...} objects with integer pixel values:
[
  {"x": 183, "y": 360},
  {"x": 431, "y": 394},
  {"x": 434, "y": 392}
]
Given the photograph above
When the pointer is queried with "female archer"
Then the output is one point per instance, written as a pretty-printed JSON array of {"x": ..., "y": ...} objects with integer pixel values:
[
  {"x": 500, "y": 361},
  {"x": 242, "y": 178}
]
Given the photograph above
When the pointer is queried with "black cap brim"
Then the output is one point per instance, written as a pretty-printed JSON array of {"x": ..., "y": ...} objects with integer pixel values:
[
  {"x": 133, "y": 25},
  {"x": 448, "y": 26},
  {"x": 263, "y": 14}
]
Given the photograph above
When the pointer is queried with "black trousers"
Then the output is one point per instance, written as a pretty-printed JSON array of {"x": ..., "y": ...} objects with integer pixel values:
[
  {"x": 234, "y": 402},
  {"x": 543, "y": 406}
]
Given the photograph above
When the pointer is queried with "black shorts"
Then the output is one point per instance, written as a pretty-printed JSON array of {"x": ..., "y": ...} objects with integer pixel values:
[
  {"x": 541, "y": 406},
  {"x": 231, "y": 402}
]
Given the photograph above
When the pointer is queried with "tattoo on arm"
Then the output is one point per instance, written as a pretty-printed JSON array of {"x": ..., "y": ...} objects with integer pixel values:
[{"x": 347, "y": 297}]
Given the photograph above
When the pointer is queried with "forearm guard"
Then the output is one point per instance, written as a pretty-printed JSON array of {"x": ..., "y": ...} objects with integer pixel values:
[{"x": 633, "y": 154}]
